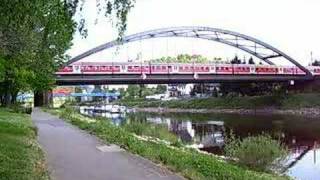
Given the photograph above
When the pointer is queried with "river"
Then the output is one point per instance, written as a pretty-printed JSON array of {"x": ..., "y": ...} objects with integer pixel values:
[{"x": 207, "y": 132}]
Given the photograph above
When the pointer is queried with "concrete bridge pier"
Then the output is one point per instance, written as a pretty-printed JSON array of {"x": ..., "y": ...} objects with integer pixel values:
[{"x": 43, "y": 98}]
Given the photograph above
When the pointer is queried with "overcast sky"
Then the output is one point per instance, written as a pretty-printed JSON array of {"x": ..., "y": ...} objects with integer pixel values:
[{"x": 292, "y": 26}]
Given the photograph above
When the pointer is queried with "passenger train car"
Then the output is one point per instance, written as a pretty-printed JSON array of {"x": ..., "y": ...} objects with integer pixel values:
[{"x": 177, "y": 68}]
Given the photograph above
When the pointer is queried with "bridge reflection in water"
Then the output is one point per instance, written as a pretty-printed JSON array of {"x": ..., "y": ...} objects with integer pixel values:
[{"x": 208, "y": 131}]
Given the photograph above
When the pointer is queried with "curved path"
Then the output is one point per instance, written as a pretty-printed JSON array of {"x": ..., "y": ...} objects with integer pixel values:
[{"x": 75, "y": 155}]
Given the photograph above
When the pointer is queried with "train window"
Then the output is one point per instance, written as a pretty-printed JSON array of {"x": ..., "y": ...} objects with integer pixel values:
[
  {"x": 180, "y": 68},
  {"x": 129, "y": 67},
  {"x": 227, "y": 68},
  {"x": 158, "y": 67},
  {"x": 163, "y": 67}
]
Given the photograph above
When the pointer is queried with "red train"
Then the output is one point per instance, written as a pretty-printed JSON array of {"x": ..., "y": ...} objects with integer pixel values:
[{"x": 148, "y": 68}]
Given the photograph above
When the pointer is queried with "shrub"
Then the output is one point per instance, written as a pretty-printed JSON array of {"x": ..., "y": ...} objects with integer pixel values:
[{"x": 260, "y": 152}]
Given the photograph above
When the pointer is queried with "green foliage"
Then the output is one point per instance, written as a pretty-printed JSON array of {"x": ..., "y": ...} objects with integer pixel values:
[
  {"x": 34, "y": 36},
  {"x": 184, "y": 58},
  {"x": 20, "y": 154},
  {"x": 115, "y": 10},
  {"x": 153, "y": 130},
  {"x": 229, "y": 102},
  {"x": 161, "y": 89},
  {"x": 291, "y": 101},
  {"x": 140, "y": 92},
  {"x": 190, "y": 163},
  {"x": 261, "y": 152},
  {"x": 305, "y": 100}
]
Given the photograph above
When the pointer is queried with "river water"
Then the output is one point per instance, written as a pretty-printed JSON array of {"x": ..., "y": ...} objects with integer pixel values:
[{"x": 207, "y": 132}]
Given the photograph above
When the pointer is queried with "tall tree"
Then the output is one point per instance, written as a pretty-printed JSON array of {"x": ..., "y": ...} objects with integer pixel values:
[{"x": 34, "y": 35}]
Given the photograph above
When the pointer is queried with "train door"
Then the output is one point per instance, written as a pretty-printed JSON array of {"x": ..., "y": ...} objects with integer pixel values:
[
  {"x": 280, "y": 70},
  {"x": 76, "y": 69},
  {"x": 252, "y": 69},
  {"x": 175, "y": 69},
  {"x": 123, "y": 68},
  {"x": 212, "y": 69},
  {"x": 170, "y": 69}
]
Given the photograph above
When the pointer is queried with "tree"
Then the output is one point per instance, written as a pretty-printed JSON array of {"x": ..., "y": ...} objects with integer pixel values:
[
  {"x": 236, "y": 60},
  {"x": 161, "y": 89},
  {"x": 132, "y": 91},
  {"x": 251, "y": 61},
  {"x": 34, "y": 35},
  {"x": 110, "y": 8},
  {"x": 316, "y": 63}
]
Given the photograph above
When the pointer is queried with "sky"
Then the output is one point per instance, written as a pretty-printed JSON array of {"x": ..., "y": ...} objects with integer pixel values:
[{"x": 292, "y": 26}]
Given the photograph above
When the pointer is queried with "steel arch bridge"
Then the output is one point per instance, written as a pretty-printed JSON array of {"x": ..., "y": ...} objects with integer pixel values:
[{"x": 253, "y": 46}]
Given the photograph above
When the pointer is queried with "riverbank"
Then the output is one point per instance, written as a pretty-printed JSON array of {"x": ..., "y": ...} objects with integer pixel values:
[
  {"x": 20, "y": 154},
  {"x": 188, "y": 162},
  {"x": 309, "y": 112},
  {"x": 294, "y": 104}
]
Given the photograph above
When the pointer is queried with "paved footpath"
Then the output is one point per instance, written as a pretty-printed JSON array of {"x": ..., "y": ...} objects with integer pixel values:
[{"x": 73, "y": 154}]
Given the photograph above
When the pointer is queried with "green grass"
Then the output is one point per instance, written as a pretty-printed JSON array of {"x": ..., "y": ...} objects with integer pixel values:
[
  {"x": 291, "y": 101},
  {"x": 189, "y": 163},
  {"x": 153, "y": 130},
  {"x": 20, "y": 155}
]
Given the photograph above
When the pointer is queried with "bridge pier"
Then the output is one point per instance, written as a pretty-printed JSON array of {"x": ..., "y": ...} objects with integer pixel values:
[{"x": 43, "y": 98}]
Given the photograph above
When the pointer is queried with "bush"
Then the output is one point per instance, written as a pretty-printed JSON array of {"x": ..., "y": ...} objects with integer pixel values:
[
  {"x": 18, "y": 108},
  {"x": 260, "y": 152}
]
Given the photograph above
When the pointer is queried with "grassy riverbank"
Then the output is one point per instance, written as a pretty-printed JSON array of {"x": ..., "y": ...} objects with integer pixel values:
[
  {"x": 20, "y": 155},
  {"x": 292, "y": 101},
  {"x": 190, "y": 163}
]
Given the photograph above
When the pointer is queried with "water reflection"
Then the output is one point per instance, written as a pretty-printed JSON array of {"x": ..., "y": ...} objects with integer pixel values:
[{"x": 208, "y": 131}]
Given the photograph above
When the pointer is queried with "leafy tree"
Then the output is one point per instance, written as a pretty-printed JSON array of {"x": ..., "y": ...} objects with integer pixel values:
[
  {"x": 78, "y": 89},
  {"x": 251, "y": 61},
  {"x": 316, "y": 63},
  {"x": 132, "y": 91},
  {"x": 236, "y": 60},
  {"x": 34, "y": 35},
  {"x": 161, "y": 89}
]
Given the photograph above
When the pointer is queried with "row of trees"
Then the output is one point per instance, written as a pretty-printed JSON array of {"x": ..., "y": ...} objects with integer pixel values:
[
  {"x": 141, "y": 91},
  {"x": 316, "y": 63},
  {"x": 34, "y": 35},
  {"x": 186, "y": 58}
]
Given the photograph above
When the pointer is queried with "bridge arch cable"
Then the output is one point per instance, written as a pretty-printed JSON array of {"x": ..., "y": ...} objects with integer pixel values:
[{"x": 253, "y": 46}]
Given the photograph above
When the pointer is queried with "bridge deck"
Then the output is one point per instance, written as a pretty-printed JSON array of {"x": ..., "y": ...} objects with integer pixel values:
[{"x": 171, "y": 78}]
